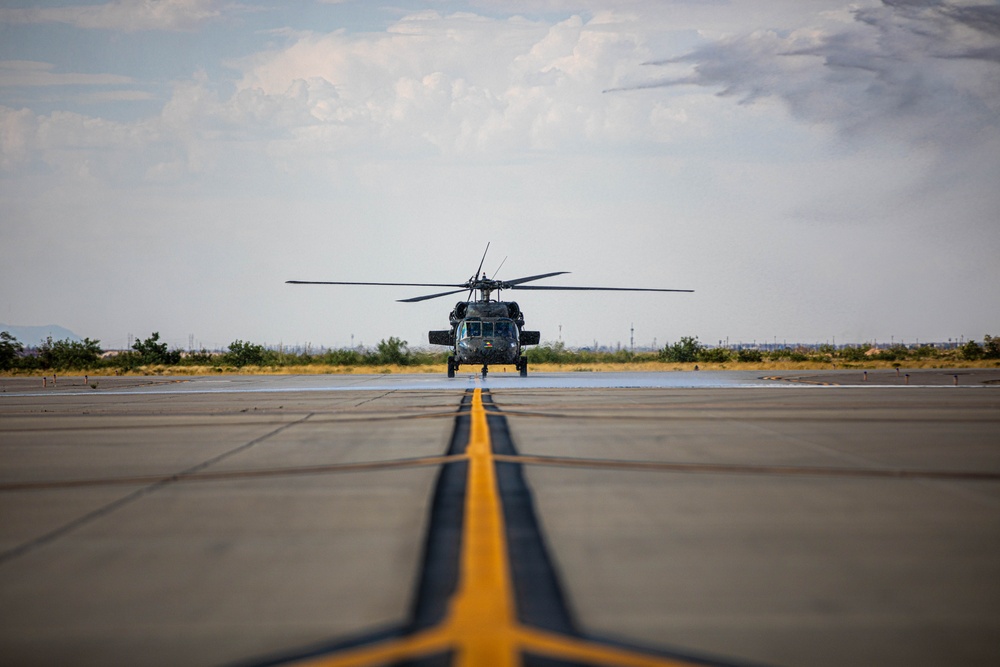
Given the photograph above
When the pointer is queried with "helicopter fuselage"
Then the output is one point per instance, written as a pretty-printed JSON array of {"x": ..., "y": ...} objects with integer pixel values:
[{"x": 486, "y": 332}]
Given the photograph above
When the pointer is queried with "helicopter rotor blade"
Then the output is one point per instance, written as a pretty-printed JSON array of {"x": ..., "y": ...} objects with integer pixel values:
[
  {"x": 599, "y": 289},
  {"x": 339, "y": 282},
  {"x": 430, "y": 296},
  {"x": 518, "y": 281},
  {"x": 475, "y": 276}
]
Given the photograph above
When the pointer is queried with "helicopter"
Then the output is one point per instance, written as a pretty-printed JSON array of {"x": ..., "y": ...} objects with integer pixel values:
[{"x": 485, "y": 331}]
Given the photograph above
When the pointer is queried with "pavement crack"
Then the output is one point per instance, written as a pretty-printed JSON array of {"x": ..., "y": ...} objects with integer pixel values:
[{"x": 113, "y": 506}]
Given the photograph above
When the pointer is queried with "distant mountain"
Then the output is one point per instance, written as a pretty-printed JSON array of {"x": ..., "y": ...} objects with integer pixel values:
[{"x": 35, "y": 336}]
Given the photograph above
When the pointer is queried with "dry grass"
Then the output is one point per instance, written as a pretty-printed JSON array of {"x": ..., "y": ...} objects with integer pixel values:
[{"x": 575, "y": 367}]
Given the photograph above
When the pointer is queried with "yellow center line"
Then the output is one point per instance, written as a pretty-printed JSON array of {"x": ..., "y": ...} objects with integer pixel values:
[
  {"x": 481, "y": 617},
  {"x": 481, "y": 624},
  {"x": 594, "y": 653}
]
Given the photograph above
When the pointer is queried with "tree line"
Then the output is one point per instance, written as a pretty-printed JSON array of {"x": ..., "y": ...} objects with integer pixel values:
[
  {"x": 87, "y": 355},
  {"x": 689, "y": 350}
]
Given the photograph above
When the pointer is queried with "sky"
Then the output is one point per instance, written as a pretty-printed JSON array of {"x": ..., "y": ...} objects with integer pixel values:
[{"x": 815, "y": 170}]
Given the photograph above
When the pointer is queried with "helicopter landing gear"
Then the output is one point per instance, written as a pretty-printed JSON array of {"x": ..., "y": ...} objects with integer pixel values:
[
  {"x": 485, "y": 370},
  {"x": 523, "y": 366},
  {"x": 452, "y": 367}
]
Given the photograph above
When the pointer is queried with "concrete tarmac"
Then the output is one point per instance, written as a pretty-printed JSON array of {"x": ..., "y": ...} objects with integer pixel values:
[{"x": 710, "y": 517}]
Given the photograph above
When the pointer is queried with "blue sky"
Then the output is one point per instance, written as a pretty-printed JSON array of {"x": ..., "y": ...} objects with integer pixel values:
[{"x": 815, "y": 170}]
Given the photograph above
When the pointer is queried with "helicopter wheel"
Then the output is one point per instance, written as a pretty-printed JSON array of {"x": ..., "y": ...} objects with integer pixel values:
[
  {"x": 485, "y": 370},
  {"x": 452, "y": 367},
  {"x": 523, "y": 367}
]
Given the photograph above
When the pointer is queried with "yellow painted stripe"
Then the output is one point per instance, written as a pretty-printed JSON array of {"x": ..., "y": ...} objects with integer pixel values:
[
  {"x": 562, "y": 647},
  {"x": 392, "y": 650},
  {"x": 480, "y": 624},
  {"x": 481, "y": 617}
]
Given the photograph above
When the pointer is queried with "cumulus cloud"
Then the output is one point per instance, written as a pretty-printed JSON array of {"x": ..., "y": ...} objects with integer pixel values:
[
  {"x": 925, "y": 70},
  {"x": 74, "y": 144},
  {"x": 460, "y": 82},
  {"x": 124, "y": 15}
]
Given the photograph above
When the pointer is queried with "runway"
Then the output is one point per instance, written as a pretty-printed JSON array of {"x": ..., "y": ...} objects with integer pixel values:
[{"x": 648, "y": 519}]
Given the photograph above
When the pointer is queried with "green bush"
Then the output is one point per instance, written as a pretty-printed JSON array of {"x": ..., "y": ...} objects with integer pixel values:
[
  {"x": 851, "y": 353},
  {"x": 718, "y": 355},
  {"x": 897, "y": 352},
  {"x": 991, "y": 347},
  {"x": 971, "y": 351},
  {"x": 151, "y": 352},
  {"x": 748, "y": 354},
  {"x": 10, "y": 350},
  {"x": 344, "y": 357},
  {"x": 392, "y": 351},
  {"x": 69, "y": 354},
  {"x": 242, "y": 353},
  {"x": 549, "y": 353},
  {"x": 686, "y": 350}
]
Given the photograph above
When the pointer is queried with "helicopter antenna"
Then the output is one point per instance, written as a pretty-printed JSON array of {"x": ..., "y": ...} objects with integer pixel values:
[
  {"x": 493, "y": 278},
  {"x": 498, "y": 269}
]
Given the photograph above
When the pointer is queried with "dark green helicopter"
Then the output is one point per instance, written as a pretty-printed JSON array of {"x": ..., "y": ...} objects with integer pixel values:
[{"x": 485, "y": 331}]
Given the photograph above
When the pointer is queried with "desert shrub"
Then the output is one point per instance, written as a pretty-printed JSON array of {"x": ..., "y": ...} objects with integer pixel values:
[
  {"x": 69, "y": 354},
  {"x": 971, "y": 351},
  {"x": 852, "y": 353},
  {"x": 242, "y": 353},
  {"x": 549, "y": 353},
  {"x": 685, "y": 350},
  {"x": 750, "y": 355},
  {"x": 897, "y": 352},
  {"x": 10, "y": 350},
  {"x": 718, "y": 355},
  {"x": 341, "y": 357},
  {"x": 991, "y": 347},
  {"x": 151, "y": 351},
  {"x": 392, "y": 351}
]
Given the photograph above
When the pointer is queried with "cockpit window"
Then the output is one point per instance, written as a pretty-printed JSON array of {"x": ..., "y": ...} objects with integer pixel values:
[
  {"x": 487, "y": 330},
  {"x": 504, "y": 329},
  {"x": 475, "y": 329}
]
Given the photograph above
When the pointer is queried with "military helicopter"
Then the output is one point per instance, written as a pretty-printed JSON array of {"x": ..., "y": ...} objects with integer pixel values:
[{"x": 485, "y": 331}]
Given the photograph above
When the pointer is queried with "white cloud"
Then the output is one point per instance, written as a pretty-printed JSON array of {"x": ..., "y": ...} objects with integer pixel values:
[
  {"x": 37, "y": 74},
  {"x": 455, "y": 85},
  {"x": 459, "y": 83},
  {"x": 123, "y": 15}
]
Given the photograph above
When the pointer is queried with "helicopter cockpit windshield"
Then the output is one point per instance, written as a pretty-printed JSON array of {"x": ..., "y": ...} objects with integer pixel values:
[
  {"x": 493, "y": 329},
  {"x": 504, "y": 329}
]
